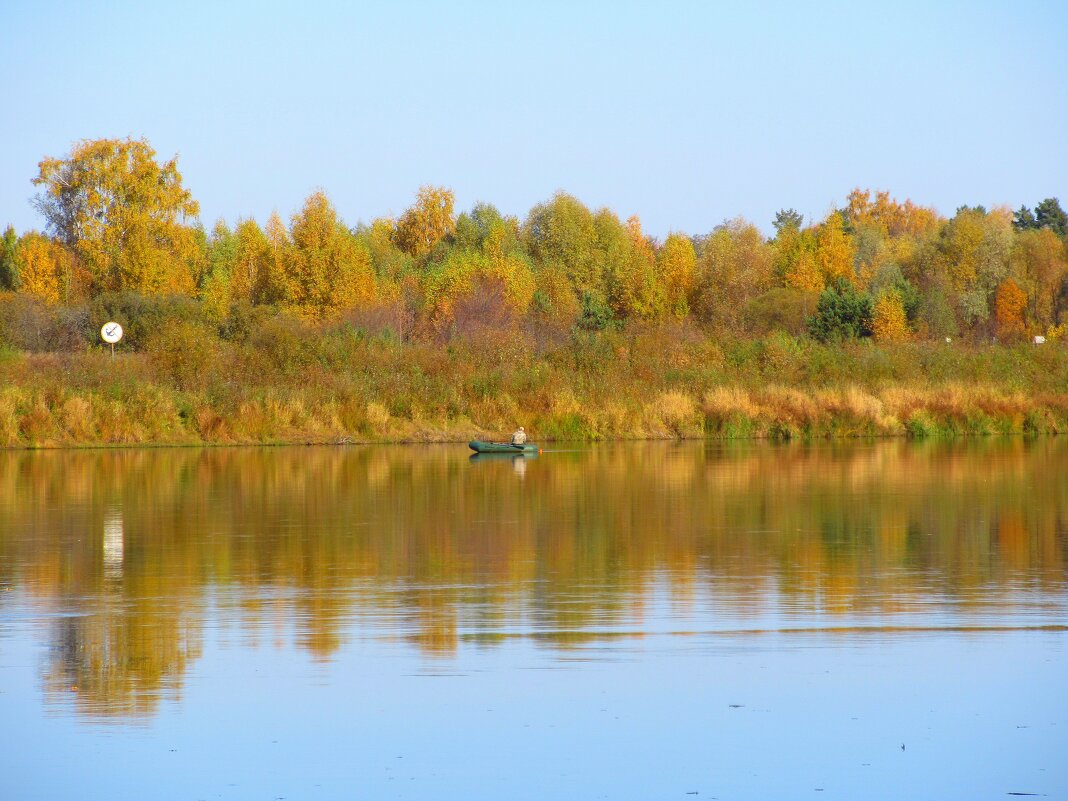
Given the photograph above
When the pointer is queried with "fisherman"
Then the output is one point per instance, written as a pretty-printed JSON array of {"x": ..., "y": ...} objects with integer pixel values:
[{"x": 519, "y": 437}]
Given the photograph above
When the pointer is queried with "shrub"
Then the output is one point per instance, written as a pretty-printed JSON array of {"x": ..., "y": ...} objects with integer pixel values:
[
  {"x": 143, "y": 316},
  {"x": 184, "y": 351},
  {"x": 781, "y": 309}
]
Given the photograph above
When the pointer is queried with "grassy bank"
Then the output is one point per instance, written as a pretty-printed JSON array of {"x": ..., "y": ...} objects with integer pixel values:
[{"x": 289, "y": 381}]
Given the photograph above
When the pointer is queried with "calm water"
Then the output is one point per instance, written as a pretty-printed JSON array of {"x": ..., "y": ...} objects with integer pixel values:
[{"x": 643, "y": 621}]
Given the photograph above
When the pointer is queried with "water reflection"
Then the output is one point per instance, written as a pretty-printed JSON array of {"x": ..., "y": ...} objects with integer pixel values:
[
  {"x": 125, "y": 556},
  {"x": 114, "y": 542}
]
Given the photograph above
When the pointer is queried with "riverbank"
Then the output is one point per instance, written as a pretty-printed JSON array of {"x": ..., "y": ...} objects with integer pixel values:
[{"x": 343, "y": 386}]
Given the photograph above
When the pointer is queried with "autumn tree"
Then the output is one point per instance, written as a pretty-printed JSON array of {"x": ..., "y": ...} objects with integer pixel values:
[
  {"x": 935, "y": 315},
  {"x": 960, "y": 248},
  {"x": 391, "y": 264},
  {"x": 554, "y": 303},
  {"x": 237, "y": 266},
  {"x": 890, "y": 278},
  {"x": 465, "y": 271},
  {"x": 891, "y": 218},
  {"x": 214, "y": 289},
  {"x": 427, "y": 222},
  {"x": 279, "y": 244},
  {"x": 250, "y": 269},
  {"x": 324, "y": 268},
  {"x": 973, "y": 251},
  {"x": 1009, "y": 305},
  {"x": 45, "y": 268},
  {"x": 221, "y": 248},
  {"x": 677, "y": 262},
  {"x": 634, "y": 290},
  {"x": 734, "y": 265},
  {"x": 835, "y": 250},
  {"x": 485, "y": 224},
  {"x": 122, "y": 213},
  {"x": 562, "y": 232},
  {"x": 888, "y": 320},
  {"x": 795, "y": 260},
  {"x": 1039, "y": 264},
  {"x": 870, "y": 252}
]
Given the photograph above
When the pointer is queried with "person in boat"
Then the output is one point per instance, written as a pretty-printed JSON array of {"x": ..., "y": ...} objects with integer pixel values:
[{"x": 519, "y": 437}]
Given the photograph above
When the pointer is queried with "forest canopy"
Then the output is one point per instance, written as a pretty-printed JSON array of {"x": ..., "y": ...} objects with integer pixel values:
[{"x": 118, "y": 219}]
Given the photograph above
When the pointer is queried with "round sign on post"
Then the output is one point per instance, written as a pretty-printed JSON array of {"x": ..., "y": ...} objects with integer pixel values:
[{"x": 111, "y": 333}]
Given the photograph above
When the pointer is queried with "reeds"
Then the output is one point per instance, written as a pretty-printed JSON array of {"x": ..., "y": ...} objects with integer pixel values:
[{"x": 335, "y": 384}]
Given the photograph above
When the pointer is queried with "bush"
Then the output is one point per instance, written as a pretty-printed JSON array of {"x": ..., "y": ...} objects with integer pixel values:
[
  {"x": 286, "y": 342},
  {"x": 782, "y": 309},
  {"x": 184, "y": 351},
  {"x": 28, "y": 324},
  {"x": 143, "y": 316}
]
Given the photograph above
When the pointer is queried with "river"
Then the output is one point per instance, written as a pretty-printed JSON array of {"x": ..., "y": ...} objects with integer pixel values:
[{"x": 877, "y": 620}]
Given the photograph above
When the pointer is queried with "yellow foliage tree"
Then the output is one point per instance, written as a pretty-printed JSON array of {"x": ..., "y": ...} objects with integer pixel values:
[
  {"x": 45, "y": 268},
  {"x": 390, "y": 262},
  {"x": 563, "y": 232},
  {"x": 835, "y": 250},
  {"x": 1039, "y": 260},
  {"x": 633, "y": 288},
  {"x": 464, "y": 271},
  {"x": 888, "y": 320},
  {"x": 887, "y": 215},
  {"x": 678, "y": 267},
  {"x": 123, "y": 214},
  {"x": 250, "y": 274},
  {"x": 736, "y": 264},
  {"x": 279, "y": 245},
  {"x": 515, "y": 275},
  {"x": 794, "y": 259},
  {"x": 555, "y": 299},
  {"x": 324, "y": 269},
  {"x": 959, "y": 254},
  {"x": 975, "y": 249},
  {"x": 424, "y": 224}
]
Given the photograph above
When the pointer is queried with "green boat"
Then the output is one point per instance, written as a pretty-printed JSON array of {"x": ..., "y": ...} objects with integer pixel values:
[{"x": 478, "y": 446}]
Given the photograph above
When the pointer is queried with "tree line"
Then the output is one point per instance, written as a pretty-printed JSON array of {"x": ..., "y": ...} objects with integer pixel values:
[{"x": 117, "y": 219}]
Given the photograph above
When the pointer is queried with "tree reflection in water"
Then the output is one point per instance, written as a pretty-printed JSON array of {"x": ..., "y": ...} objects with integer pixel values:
[{"x": 125, "y": 548}]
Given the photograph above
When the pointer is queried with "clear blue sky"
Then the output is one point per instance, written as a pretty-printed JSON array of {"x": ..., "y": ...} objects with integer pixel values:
[{"x": 682, "y": 113}]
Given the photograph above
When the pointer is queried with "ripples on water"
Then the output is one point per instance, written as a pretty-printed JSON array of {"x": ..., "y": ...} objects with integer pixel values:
[{"x": 144, "y": 588}]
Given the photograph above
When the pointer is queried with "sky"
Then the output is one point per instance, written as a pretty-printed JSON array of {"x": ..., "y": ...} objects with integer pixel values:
[{"x": 685, "y": 114}]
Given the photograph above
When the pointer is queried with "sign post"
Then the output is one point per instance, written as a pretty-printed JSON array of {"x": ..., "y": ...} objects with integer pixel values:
[{"x": 111, "y": 333}]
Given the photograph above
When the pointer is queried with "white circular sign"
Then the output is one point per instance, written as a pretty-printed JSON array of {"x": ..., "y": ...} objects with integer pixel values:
[{"x": 111, "y": 332}]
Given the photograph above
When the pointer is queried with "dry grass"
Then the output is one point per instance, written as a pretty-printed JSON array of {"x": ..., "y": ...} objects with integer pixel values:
[{"x": 330, "y": 386}]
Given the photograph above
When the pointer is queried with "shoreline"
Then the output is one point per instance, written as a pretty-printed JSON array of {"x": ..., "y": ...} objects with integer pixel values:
[{"x": 360, "y": 442}]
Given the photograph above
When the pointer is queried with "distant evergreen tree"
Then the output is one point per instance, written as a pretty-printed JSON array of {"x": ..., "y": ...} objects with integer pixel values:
[
  {"x": 1023, "y": 219},
  {"x": 788, "y": 218},
  {"x": 1049, "y": 214}
]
